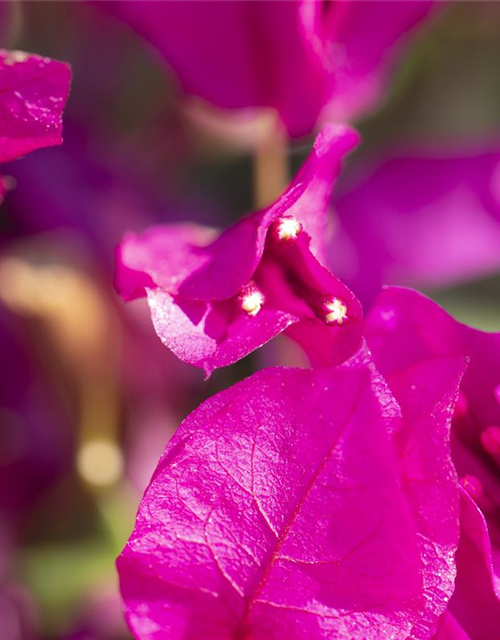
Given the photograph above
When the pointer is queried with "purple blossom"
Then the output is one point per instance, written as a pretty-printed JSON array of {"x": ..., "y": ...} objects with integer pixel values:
[
  {"x": 301, "y": 503},
  {"x": 213, "y": 301},
  {"x": 300, "y": 58},
  {"x": 358, "y": 499},
  {"x": 403, "y": 329},
  {"x": 393, "y": 218},
  {"x": 33, "y": 92}
]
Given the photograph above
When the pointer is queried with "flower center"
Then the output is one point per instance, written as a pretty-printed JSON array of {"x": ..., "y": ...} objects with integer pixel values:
[
  {"x": 286, "y": 229},
  {"x": 334, "y": 310},
  {"x": 251, "y": 299}
]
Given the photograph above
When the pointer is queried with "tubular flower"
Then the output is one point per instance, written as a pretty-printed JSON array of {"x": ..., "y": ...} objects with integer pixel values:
[{"x": 213, "y": 301}]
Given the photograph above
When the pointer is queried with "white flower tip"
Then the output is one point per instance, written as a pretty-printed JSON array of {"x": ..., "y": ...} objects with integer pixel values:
[
  {"x": 334, "y": 311},
  {"x": 287, "y": 229},
  {"x": 251, "y": 299}
]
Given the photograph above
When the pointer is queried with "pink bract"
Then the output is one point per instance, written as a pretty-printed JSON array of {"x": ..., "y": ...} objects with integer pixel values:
[
  {"x": 476, "y": 600},
  {"x": 33, "y": 93},
  {"x": 404, "y": 328},
  {"x": 296, "y": 57},
  {"x": 214, "y": 301},
  {"x": 393, "y": 217},
  {"x": 301, "y": 504}
]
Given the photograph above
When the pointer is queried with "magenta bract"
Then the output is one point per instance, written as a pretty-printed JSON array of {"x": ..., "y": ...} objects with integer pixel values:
[
  {"x": 403, "y": 329},
  {"x": 214, "y": 301},
  {"x": 392, "y": 219},
  {"x": 476, "y": 601},
  {"x": 33, "y": 92},
  {"x": 301, "y": 504},
  {"x": 296, "y": 57},
  {"x": 449, "y": 629}
]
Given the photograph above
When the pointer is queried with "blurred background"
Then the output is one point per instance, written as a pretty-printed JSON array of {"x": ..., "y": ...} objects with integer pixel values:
[{"x": 88, "y": 395}]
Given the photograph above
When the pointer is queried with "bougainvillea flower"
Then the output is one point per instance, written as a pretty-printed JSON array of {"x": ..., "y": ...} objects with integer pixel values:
[
  {"x": 393, "y": 218},
  {"x": 33, "y": 92},
  {"x": 213, "y": 301},
  {"x": 295, "y": 57},
  {"x": 405, "y": 328},
  {"x": 299, "y": 504}
]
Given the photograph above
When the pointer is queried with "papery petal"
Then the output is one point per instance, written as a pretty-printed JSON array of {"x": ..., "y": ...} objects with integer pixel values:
[
  {"x": 33, "y": 92},
  {"x": 405, "y": 327},
  {"x": 236, "y": 54},
  {"x": 325, "y": 345},
  {"x": 210, "y": 335},
  {"x": 291, "y": 56},
  {"x": 281, "y": 509},
  {"x": 476, "y": 601},
  {"x": 319, "y": 173},
  {"x": 359, "y": 44},
  {"x": 161, "y": 256},
  {"x": 427, "y": 392},
  {"x": 449, "y": 629},
  {"x": 395, "y": 217}
]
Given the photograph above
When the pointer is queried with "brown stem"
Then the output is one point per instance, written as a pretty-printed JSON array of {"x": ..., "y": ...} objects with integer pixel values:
[{"x": 271, "y": 172}]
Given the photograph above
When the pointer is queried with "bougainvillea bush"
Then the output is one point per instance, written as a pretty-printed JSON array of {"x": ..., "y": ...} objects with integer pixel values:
[{"x": 226, "y": 410}]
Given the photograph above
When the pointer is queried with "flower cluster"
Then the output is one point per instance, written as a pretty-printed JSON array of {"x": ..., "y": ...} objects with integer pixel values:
[
  {"x": 355, "y": 496},
  {"x": 350, "y": 501},
  {"x": 358, "y": 499}
]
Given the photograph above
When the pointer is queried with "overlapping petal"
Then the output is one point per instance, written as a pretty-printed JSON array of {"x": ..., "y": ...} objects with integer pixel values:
[
  {"x": 293, "y": 504},
  {"x": 33, "y": 93},
  {"x": 295, "y": 57},
  {"x": 419, "y": 219},
  {"x": 475, "y": 603},
  {"x": 403, "y": 329},
  {"x": 214, "y": 301}
]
